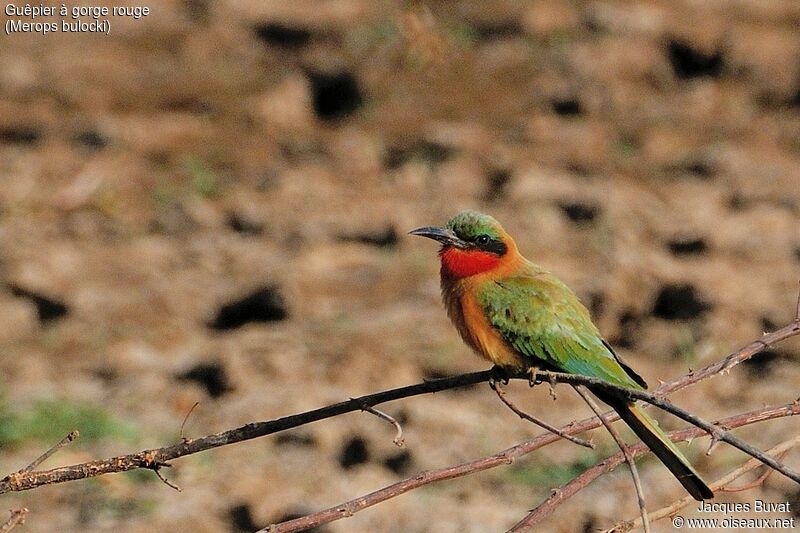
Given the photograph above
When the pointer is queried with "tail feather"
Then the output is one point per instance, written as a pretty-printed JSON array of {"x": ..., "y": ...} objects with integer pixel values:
[{"x": 647, "y": 429}]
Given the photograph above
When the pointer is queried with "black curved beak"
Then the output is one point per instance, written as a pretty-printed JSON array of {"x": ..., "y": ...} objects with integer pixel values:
[{"x": 443, "y": 235}]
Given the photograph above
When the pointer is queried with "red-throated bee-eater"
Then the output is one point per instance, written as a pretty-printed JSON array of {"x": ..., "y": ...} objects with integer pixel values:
[{"x": 518, "y": 315}]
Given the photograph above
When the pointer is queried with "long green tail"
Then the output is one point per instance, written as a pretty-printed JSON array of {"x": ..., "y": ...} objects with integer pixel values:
[{"x": 647, "y": 429}]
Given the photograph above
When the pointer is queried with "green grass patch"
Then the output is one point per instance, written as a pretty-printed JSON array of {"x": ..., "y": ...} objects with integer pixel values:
[
  {"x": 48, "y": 421},
  {"x": 548, "y": 475}
]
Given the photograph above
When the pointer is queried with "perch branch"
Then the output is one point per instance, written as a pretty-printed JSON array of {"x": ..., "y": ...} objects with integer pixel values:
[
  {"x": 715, "y": 431},
  {"x": 719, "y": 485},
  {"x": 497, "y": 388},
  {"x": 17, "y": 518},
  {"x": 569, "y": 489},
  {"x": 155, "y": 458},
  {"x": 74, "y": 434},
  {"x": 508, "y": 456},
  {"x": 398, "y": 437},
  {"x": 637, "y": 482}
]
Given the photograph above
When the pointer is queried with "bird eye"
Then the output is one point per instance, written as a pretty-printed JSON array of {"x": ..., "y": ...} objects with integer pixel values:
[{"x": 483, "y": 239}]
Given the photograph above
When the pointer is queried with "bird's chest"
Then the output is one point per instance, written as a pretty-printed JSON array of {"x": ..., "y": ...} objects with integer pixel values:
[{"x": 470, "y": 320}]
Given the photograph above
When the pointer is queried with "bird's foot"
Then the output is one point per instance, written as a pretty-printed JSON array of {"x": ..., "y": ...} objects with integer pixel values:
[
  {"x": 552, "y": 381},
  {"x": 532, "y": 379},
  {"x": 499, "y": 375}
]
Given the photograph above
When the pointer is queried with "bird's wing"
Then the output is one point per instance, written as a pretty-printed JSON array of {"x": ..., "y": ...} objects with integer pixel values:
[{"x": 541, "y": 318}]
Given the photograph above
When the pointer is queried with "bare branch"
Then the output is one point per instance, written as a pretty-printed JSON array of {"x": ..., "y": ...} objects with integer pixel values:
[
  {"x": 17, "y": 518},
  {"x": 398, "y": 438},
  {"x": 587, "y": 476},
  {"x": 74, "y": 434},
  {"x": 717, "y": 486},
  {"x": 797, "y": 311},
  {"x": 497, "y": 387},
  {"x": 739, "y": 356},
  {"x": 756, "y": 482},
  {"x": 164, "y": 480},
  {"x": 508, "y": 456},
  {"x": 637, "y": 482},
  {"x": 155, "y": 458},
  {"x": 715, "y": 431},
  {"x": 19, "y": 481},
  {"x": 185, "y": 418}
]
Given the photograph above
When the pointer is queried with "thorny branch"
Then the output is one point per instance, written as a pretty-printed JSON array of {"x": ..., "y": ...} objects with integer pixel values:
[
  {"x": 508, "y": 456},
  {"x": 153, "y": 459},
  {"x": 17, "y": 518},
  {"x": 720, "y": 485},
  {"x": 625, "y": 449},
  {"x": 497, "y": 387}
]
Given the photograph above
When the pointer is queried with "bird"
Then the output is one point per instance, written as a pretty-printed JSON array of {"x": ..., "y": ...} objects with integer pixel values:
[{"x": 520, "y": 316}]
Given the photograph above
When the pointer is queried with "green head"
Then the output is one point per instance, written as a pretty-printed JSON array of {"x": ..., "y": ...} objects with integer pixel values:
[
  {"x": 474, "y": 227},
  {"x": 471, "y": 243}
]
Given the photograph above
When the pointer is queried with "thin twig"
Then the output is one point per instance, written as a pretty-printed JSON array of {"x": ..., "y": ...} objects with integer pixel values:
[
  {"x": 17, "y": 518},
  {"x": 756, "y": 482},
  {"x": 508, "y": 456},
  {"x": 715, "y": 431},
  {"x": 74, "y": 434},
  {"x": 717, "y": 486},
  {"x": 166, "y": 482},
  {"x": 185, "y": 418},
  {"x": 20, "y": 481},
  {"x": 637, "y": 482},
  {"x": 145, "y": 459},
  {"x": 578, "y": 483},
  {"x": 497, "y": 388},
  {"x": 797, "y": 311},
  {"x": 398, "y": 438}
]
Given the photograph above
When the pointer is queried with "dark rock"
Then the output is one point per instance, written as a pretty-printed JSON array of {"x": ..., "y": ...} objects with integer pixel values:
[
  {"x": 687, "y": 246},
  {"x": 628, "y": 330},
  {"x": 578, "y": 212},
  {"x": 597, "y": 303},
  {"x": 263, "y": 305},
  {"x": 386, "y": 238},
  {"x": 282, "y": 36},
  {"x": 690, "y": 63},
  {"x": 503, "y": 29},
  {"x": 763, "y": 363},
  {"x": 20, "y": 135},
  {"x": 244, "y": 225},
  {"x": 187, "y": 104},
  {"x": 568, "y": 107},
  {"x": 211, "y": 376},
  {"x": 335, "y": 96},
  {"x": 497, "y": 181},
  {"x": 91, "y": 139},
  {"x": 354, "y": 453},
  {"x": 679, "y": 302},
  {"x": 399, "y": 463},
  {"x": 47, "y": 308},
  {"x": 241, "y": 518}
]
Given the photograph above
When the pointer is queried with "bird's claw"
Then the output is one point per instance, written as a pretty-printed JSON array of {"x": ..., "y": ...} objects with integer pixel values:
[
  {"x": 532, "y": 379},
  {"x": 499, "y": 375}
]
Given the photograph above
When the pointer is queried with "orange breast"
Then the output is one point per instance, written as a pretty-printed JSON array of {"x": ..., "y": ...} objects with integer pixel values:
[{"x": 482, "y": 337}]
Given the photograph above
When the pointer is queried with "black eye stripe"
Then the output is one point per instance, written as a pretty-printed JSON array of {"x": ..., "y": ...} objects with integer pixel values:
[{"x": 488, "y": 244}]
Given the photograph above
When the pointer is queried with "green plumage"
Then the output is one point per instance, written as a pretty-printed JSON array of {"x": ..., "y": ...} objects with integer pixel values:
[
  {"x": 544, "y": 320},
  {"x": 514, "y": 313}
]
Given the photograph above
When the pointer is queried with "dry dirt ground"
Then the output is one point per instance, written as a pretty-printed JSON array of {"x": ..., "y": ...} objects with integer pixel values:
[{"x": 211, "y": 204}]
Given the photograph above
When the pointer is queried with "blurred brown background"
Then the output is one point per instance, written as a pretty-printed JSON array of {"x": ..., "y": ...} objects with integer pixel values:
[{"x": 211, "y": 204}]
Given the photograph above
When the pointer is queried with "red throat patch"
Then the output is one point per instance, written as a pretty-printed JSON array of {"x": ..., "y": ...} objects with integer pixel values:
[{"x": 458, "y": 263}]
